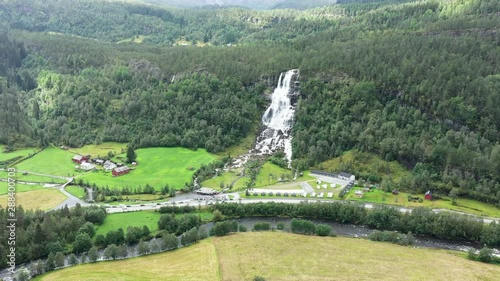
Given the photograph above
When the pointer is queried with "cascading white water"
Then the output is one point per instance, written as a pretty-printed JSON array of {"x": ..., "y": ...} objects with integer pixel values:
[{"x": 278, "y": 119}]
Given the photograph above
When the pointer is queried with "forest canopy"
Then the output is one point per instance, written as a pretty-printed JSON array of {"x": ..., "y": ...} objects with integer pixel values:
[{"x": 415, "y": 82}]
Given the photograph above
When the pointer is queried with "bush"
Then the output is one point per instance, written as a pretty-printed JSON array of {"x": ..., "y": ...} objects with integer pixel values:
[
  {"x": 242, "y": 228},
  {"x": 280, "y": 226},
  {"x": 262, "y": 226},
  {"x": 323, "y": 230},
  {"x": 486, "y": 254},
  {"x": 303, "y": 227}
]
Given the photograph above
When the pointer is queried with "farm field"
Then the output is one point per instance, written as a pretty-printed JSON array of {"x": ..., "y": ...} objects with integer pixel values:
[
  {"x": 464, "y": 205},
  {"x": 9, "y": 155},
  {"x": 268, "y": 254},
  {"x": 76, "y": 191},
  {"x": 50, "y": 161},
  {"x": 194, "y": 263},
  {"x": 19, "y": 187},
  {"x": 42, "y": 199},
  {"x": 100, "y": 150},
  {"x": 156, "y": 167}
]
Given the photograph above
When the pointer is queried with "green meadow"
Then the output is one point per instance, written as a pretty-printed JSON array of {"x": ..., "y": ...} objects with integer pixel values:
[
  {"x": 401, "y": 199},
  {"x": 9, "y": 155},
  {"x": 225, "y": 179},
  {"x": 156, "y": 167},
  {"x": 50, "y": 161},
  {"x": 124, "y": 220}
]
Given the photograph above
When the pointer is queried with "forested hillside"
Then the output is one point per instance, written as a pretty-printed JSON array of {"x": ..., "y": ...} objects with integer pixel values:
[{"x": 415, "y": 82}]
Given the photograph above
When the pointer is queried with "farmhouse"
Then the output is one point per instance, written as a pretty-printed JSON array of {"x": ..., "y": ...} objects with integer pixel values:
[
  {"x": 99, "y": 161},
  {"x": 109, "y": 166},
  {"x": 120, "y": 171},
  {"x": 346, "y": 176},
  {"x": 428, "y": 195},
  {"x": 86, "y": 166},
  {"x": 79, "y": 159}
]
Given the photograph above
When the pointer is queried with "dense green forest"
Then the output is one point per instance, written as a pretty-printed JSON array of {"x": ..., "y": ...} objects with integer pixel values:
[{"x": 415, "y": 82}]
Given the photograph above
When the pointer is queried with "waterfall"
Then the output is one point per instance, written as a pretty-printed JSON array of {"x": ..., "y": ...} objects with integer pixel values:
[{"x": 278, "y": 119}]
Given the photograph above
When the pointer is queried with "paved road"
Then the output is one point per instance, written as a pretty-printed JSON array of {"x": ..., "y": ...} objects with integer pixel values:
[{"x": 188, "y": 200}]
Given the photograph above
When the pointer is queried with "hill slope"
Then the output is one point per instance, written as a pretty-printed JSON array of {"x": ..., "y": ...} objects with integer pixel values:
[{"x": 274, "y": 257}]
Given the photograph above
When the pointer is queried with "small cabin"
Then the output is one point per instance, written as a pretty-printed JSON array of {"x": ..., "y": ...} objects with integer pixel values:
[{"x": 428, "y": 195}]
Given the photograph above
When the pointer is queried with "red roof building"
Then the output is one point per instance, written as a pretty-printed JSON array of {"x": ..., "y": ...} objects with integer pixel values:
[
  {"x": 428, "y": 195},
  {"x": 120, "y": 171},
  {"x": 79, "y": 159}
]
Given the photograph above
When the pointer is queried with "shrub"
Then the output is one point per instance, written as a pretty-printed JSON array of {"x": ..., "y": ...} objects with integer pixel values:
[
  {"x": 262, "y": 226},
  {"x": 323, "y": 230},
  {"x": 280, "y": 226},
  {"x": 486, "y": 254}
]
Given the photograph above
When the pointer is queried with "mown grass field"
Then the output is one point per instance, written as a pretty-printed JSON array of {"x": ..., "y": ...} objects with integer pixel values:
[
  {"x": 76, "y": 191},
  {"x": 195, "y": 263},
  {"x": 124, "y": 220},
  {"x": 9, "y": 155},
  {"x": 19, "y": 187},
  {"x": 285, "y": 256},
  {"x": 156, "y": 167},
  {"x": 50, "y": 161},
  {"x": 100, "y": 150},
  {"x": 364, "y": 163},
  {"x": 42, "y": 199},
  {"x": 463, "y": 205}
]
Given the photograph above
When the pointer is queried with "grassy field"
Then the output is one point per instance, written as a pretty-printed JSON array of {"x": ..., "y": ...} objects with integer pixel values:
[
  {"x": 270, "y": 173},
  {"x": 464, "y": 205},
  {"x": 33, "y": 178},
  {"x": 225, "y": 178},
  {"x": 51, "y": 161},
  {"x": 124, "y": 220},
  {"x": 42, "y": 199},
  {"x": 19, "y": 187},
  {"x": 195, "y": 263},
  {"x": 77, "y": 191},
  {"x": 100, "y": 150},
  {"x": 270, "y": 255},
  {"x": 156, "y": 167},
  {"x": 21, "y": 152},
  {"x": 364, "y": 163}
]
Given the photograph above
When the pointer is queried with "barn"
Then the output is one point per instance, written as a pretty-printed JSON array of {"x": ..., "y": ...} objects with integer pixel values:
[
  {"x": 428, "y": 195},
  {"x": 79, "y": 159},
  {"x": 120, "y": 171}
]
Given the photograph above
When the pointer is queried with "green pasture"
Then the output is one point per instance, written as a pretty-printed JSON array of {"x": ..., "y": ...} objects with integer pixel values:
[
  {"x": 50, "y": 161},
  {"x": 100, "y": 150},
  {"x": 9, "y": 155},
  {"x": 124, "y": 220},
  {"x": 156, "y": 167}
]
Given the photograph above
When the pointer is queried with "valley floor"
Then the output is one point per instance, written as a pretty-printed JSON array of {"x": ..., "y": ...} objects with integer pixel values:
[{"x": 273, "y": 255}]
